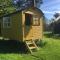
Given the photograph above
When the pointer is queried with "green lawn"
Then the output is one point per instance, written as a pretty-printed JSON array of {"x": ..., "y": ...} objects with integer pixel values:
[{"x": 50, "y": 51}]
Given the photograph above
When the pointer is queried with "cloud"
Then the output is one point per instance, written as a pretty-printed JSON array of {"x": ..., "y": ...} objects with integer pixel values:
[
  {"x": 50, "y": 7},
  {"x": 51, "y": 2},
  {"x": 58, "y": 8},
  {"x": 51, "y": 12},
  {"x": 48, "y": 12},
  {"x": 57, "y": 11}
]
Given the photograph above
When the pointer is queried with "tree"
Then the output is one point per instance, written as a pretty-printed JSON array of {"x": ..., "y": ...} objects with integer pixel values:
[
  {"x": 56, "y": 15},
  {"x": 55, "y": 24},
  {"x": 6, "y": 6},
  {"x": 27, "y": 3},
  {"x": 9, "y": 6}
]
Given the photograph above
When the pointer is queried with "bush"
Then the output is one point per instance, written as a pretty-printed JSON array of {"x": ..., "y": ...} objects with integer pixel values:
[{"x": 41, "y": 43}]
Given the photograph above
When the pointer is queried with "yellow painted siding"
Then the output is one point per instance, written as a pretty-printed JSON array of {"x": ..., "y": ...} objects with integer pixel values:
[
  {"x": 17, "y": 26},
  {"x": 15, "y": 32},
  {"x": 0, "y": 27},
  {"x": 23, "y": 24},
  {"x": 19, "y": 31},
  {"x": 32, "y": 32}
]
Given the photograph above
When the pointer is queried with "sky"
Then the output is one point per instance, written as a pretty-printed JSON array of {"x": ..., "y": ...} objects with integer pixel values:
[{"x": 50, "y": 7}]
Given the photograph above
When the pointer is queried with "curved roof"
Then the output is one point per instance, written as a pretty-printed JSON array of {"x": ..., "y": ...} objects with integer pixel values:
[{"x": 39, "y": 10}]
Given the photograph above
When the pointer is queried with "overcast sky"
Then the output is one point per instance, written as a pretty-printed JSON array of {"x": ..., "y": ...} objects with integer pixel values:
[{"x": 49, "y": 7}]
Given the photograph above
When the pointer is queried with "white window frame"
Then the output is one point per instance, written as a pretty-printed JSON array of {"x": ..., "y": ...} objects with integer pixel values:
[
  {"x": 6, "y": 22},
  {"x": 36, "y": 21}
]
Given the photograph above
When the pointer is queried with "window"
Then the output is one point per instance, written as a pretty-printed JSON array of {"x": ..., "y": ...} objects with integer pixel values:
[
  {"x": 36, "y": 21},
  {"x": 6, "y": 22}
]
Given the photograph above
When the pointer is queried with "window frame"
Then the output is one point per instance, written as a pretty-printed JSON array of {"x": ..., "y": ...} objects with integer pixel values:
[
  {"x": 6, "y": 22},
  {"x": 37, "y": 19},
  {"x": 27, "y": 20}
]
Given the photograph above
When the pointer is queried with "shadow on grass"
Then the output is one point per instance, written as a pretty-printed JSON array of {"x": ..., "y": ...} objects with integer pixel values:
[
  {"x": 12, "y": 46},
  {"x": 48, "y": 35},
  {"x": 51, "y": 35},
  {"x": 41, "y": 43}
]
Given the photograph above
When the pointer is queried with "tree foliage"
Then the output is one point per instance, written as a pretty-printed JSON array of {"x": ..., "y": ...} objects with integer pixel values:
[
  {"x": 8, "y": 6},
  {"x": 27, "y": 3},
  {"x": 56, "y": 15}
]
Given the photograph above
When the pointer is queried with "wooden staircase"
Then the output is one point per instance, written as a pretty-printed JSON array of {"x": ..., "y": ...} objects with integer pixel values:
[{"x": 31, "y": 45}]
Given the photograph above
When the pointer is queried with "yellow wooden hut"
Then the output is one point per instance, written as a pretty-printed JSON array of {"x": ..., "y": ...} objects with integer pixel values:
[{"x": 24, "y": 25}]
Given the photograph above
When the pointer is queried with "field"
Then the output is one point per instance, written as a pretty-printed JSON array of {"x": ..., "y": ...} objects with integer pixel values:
[{"x": 50, "y": 51}]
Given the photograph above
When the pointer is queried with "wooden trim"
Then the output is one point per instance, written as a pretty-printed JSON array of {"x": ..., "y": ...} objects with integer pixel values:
[{"x": 37, "y": 20}]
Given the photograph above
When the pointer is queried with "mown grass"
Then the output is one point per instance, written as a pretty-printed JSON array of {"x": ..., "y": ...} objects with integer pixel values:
[{"x": 50, "y": 51}]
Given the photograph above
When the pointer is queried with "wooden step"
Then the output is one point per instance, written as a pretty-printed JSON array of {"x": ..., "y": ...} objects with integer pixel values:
[
  {"x": 32, "y": 47},
  {"x": 29, "y": 43}
]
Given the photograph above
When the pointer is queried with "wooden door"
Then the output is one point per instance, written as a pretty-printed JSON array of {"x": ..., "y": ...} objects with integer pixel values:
[
  {"x": 28, "y": 19},
  {"x": 28, "y": 26}
]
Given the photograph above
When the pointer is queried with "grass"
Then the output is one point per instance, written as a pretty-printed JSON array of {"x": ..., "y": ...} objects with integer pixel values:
[{"x": 50, "y": 51}]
